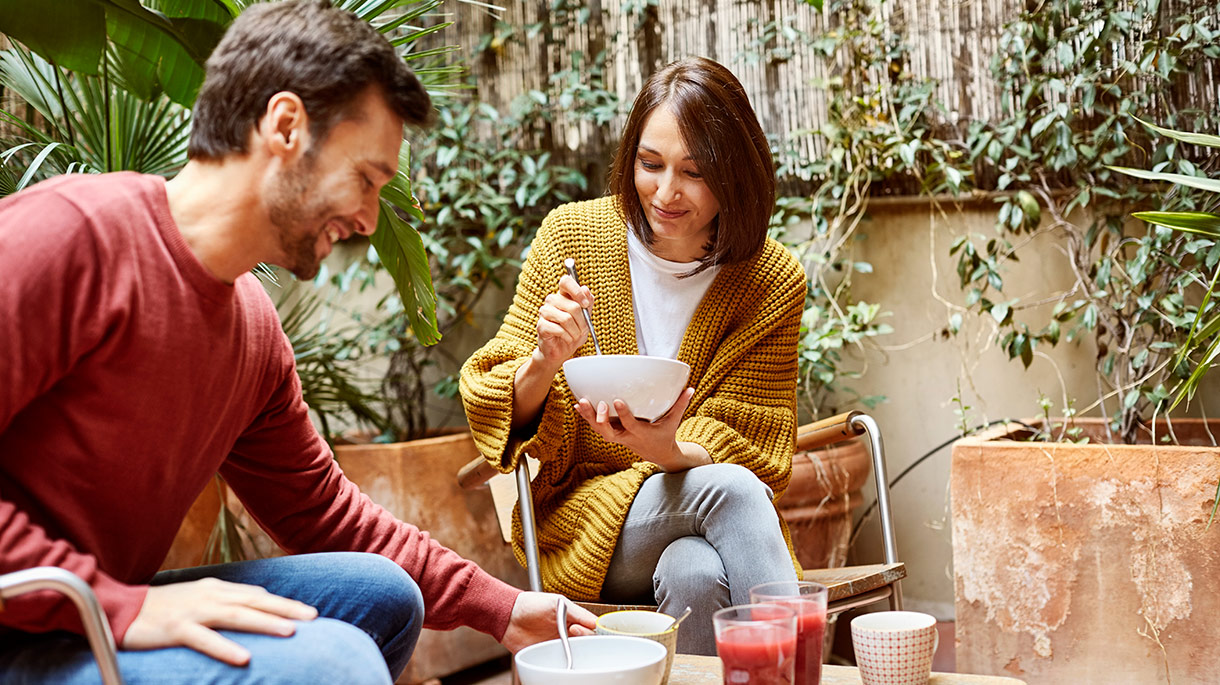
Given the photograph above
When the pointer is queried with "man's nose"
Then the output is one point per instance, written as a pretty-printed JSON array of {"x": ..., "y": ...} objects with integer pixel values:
[{"x": 366, "y": 218}]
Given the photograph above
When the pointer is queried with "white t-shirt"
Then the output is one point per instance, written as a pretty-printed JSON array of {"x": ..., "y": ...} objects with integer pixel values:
[{"x": 664, "y": 304}]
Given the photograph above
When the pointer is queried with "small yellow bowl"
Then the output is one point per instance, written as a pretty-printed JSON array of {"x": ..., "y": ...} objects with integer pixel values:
[{"x": 651, "y": 625}]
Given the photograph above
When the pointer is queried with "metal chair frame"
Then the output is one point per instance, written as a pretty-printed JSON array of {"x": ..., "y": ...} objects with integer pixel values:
[{"x": 97, "y": 628}]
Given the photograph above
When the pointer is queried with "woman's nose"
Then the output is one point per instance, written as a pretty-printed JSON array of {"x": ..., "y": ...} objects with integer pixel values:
[{"x": 668, "y": 188}]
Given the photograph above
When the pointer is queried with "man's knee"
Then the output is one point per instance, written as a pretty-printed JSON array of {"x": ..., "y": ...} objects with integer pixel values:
[
  {"x": 323, "y": 651},
  {"x": 392, "y": 596}
]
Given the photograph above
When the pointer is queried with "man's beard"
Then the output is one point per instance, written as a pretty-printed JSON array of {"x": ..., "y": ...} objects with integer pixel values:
[{"x": 292, "y": 214}]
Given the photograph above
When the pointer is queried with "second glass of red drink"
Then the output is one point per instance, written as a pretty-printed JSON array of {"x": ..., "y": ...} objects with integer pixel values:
[
  {"x": 808, "y": 600},
  {"x": 756, "y": 644}
]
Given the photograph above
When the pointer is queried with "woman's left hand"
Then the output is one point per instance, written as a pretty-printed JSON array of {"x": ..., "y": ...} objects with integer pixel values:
[{"x": 654, "y": 441}]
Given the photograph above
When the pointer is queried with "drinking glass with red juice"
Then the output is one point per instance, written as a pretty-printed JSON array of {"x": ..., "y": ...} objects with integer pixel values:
[
  {"x": 756, "y": 644},
  {"x": 808, "y": 600}
]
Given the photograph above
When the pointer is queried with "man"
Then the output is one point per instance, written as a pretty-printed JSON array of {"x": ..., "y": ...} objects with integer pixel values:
[{"x": 139, "y": 356}]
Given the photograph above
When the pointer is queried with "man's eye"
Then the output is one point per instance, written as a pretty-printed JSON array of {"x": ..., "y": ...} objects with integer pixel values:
[{"x": 368, "y": 183}]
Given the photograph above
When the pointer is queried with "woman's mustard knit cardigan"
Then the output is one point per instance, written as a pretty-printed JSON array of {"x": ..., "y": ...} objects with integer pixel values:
[{"x": 740, "y": 345}]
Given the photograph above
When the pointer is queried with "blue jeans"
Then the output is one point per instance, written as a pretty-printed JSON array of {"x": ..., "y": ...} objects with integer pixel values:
[{"x": 369, "y": 616}]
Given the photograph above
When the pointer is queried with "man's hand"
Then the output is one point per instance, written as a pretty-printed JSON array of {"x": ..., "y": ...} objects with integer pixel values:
[
  {"x": 188, "y": 615},
  {"x": 533, "y": 620},
  {"x": 655, "y": 442}
]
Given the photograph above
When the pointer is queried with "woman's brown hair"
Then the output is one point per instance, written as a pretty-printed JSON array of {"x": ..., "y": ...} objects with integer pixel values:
[{"x": 722, "y": 134}]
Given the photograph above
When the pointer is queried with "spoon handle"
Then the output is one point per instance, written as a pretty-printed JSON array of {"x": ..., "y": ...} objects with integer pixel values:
[
  {"x": 561, "y": 619},
  {"x": 570, "y": 265}
]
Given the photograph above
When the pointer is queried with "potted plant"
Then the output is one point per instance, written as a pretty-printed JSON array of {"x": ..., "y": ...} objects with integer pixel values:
[{"x": 1081, "y": 546}]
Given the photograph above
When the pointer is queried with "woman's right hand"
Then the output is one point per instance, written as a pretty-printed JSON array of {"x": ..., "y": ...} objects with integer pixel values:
[{"x": 561, "y": 324}]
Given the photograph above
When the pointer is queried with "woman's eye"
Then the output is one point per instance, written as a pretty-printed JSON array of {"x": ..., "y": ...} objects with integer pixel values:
[
  {"x": 651, "y": 166},
  {"x": 694, "y": 174}
]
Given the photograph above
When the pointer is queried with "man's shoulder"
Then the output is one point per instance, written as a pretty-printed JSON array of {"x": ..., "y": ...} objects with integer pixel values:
[
  {"x": 96, "y": 199},
  {"x": 94, "y": 189}
]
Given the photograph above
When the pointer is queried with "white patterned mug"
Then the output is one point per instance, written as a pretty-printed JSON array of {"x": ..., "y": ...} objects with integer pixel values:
[{"x": 894, "y": 647}]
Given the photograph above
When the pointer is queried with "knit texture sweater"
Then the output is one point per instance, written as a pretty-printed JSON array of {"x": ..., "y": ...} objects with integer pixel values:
[
  {"x": 740, "y": 345},
  {"x": 129, "y": 375}
]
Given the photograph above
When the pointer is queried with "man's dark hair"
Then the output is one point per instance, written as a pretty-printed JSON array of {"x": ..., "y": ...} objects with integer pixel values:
[
  {"x": 722, "y": 133},
  {"x": 326, "y": 56}
]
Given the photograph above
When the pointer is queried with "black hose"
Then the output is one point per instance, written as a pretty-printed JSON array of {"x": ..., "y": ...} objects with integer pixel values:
[{"x": 855, "y": 529}]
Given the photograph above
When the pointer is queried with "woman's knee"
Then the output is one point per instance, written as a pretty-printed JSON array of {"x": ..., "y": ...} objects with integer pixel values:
[
  {"x": 689, "y": 563},
  {"x": 734, "y": 481}
]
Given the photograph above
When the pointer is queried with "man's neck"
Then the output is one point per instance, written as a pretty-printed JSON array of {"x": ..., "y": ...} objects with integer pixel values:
[{"x": 216, "y": 208}]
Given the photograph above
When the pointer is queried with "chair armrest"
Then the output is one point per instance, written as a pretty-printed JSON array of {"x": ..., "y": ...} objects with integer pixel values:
[
  {"x": 475, "y": 473},
  {"x": 827, "y": 431}
]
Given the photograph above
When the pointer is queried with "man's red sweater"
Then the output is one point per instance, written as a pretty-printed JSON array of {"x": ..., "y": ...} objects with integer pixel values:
[{"x": 128, "y": 376}]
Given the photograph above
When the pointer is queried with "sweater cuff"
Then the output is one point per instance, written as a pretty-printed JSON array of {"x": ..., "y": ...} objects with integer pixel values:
[
  {"x": 492, "y": 601},
  {"x": 122, "y": 603}
]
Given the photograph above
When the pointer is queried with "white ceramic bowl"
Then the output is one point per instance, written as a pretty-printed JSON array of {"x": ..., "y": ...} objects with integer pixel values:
[
  {"x": 596, "y": 660},
  {"x": 649, "y": 385}
]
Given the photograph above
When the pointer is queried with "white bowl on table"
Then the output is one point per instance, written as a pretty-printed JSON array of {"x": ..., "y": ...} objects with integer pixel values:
[
  {"x": 596, "y": 660},
  {"x": 649, "y": 385}
]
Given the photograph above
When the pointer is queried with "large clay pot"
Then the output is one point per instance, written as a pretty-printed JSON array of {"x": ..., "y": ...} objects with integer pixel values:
[
  {"x": 820, "y": 499},
  {"x": 417, "y": 482},
  {"x": 1087, "y": 563}
]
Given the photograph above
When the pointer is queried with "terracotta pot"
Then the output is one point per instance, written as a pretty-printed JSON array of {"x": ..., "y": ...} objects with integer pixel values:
[
  {"x": 1087, "y": 563},
  {"x": 417, "y": 482},
  {"x": 192, "y": 538},
  {"x": 818, "y": 505}
]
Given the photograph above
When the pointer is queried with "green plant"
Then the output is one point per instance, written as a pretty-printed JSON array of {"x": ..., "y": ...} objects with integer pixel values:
[
  {"x": 1202, "y": 344},
  {"x": 1070, "y": 114},
  {"x": 328, "y": 358}
]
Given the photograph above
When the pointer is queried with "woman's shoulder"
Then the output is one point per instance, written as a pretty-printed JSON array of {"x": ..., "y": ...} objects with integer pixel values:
[
  {"x": 775, "y": 264},
  {"x": 601, "y": 211}
]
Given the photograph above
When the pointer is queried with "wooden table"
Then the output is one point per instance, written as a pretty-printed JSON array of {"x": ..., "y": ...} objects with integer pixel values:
[{"x": 705, "y": 670}]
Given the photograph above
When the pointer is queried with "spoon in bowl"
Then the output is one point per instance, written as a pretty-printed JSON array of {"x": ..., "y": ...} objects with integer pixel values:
[
  {"x": 679, "y": 619},
  {"x": 561, "y": 618},
  {"x": 570, "y": 265}
]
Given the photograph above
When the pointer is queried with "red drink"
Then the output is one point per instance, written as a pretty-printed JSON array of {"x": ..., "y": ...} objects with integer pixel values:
[
  {"x": 762, "y": 654},
  {"x": 808, "y": 601},
  {"x": 810, "y": 627}
]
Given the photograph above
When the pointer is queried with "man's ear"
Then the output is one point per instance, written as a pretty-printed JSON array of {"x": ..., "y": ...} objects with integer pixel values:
[{"x": 284, "y": 128}]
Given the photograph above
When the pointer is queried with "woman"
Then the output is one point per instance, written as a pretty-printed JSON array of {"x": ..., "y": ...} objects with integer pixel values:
[{"x": 680, "y": 510}]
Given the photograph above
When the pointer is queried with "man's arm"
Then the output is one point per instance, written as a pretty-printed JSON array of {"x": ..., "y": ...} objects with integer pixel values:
[
  {"x": 50, "y": 306},
  {"x": 288, "y": 480}
]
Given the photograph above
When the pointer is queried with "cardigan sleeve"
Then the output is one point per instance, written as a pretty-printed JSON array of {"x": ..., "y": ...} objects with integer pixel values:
[
  {"x": 749, "y": 418},
  {"x": 488, "y": 376}
]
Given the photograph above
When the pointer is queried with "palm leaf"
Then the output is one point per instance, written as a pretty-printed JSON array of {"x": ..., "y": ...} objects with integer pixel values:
[
  {"x": 1192, "y": 138},
  {"x": 1198, "y": 223},
  {"x": 1200, "y": 182},
  {"x": 401, "y": 251}
]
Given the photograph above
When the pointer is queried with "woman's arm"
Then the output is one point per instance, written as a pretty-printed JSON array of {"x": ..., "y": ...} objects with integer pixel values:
[{"x": 561, "y": 331}]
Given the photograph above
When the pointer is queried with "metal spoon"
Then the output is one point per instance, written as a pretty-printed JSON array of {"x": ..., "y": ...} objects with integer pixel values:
[
  {"x": 570, "y": 265},
  {"x": 561, "y": 617},
  {"x": 674, "y": 625}
]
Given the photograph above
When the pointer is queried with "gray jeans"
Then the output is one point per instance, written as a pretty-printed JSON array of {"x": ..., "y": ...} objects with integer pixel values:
[{"x": 699, "y": 538}]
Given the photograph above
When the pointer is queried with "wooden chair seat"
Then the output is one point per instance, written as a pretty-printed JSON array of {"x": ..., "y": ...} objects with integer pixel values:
[
  {"x": 849, "y": 581},
  {"x": 846, "y": 588}
]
